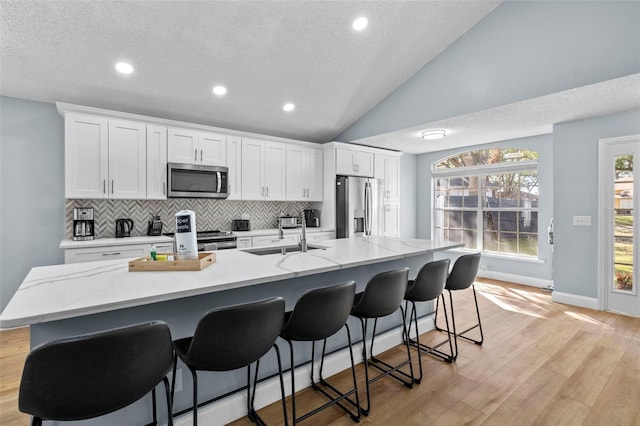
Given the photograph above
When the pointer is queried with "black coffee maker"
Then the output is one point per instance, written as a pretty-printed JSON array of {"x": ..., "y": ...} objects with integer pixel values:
[
  {"x": 83, "y": 224},
  {"x": 312, "y": 218}
]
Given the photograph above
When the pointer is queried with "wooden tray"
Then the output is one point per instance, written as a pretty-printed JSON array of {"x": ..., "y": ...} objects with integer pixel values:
[{"x": 145, "y": 264}]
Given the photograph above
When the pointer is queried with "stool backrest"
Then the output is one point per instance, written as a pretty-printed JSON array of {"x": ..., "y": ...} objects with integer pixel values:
[
  {"x": 235, "y": 336},
  {"x": 383, "y": 294},
  {"x": 464, "y": 272},
  {"x": 430, "y": 281},
  {"x": 320, "y": 312},
  {"x": 90, "y": 375}
]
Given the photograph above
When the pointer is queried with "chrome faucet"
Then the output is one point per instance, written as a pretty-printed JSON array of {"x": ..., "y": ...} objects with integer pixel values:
[
  {"x": 280, "y": 230},
  {"x": 303, "y": 239}
]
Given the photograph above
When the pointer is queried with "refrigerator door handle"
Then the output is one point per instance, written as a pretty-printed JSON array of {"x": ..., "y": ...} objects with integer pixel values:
[{"x": 367, "y": 208}]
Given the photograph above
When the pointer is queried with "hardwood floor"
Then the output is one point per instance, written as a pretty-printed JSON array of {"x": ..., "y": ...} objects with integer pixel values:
[{"x": 541, "y": 363}]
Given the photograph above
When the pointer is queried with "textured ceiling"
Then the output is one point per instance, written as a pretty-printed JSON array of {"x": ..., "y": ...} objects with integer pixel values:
[
  {"x": 517, "y": 120},
  {"x": 266, "y": 53}
]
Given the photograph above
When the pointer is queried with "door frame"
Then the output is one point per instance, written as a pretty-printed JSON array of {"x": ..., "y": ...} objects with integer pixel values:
[{"x": 605, "y": 259}]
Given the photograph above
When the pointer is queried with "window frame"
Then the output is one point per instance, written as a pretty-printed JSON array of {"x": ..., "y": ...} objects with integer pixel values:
[{"x": 479, "y": 172}]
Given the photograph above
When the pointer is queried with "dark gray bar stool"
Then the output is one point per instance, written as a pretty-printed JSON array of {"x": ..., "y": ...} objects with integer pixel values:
[
  {"x": 233, "y": 337},
  {"x": 382, "y": 296},
  {"x": 462, "y": 277},
  {"x": 428, "y": 285},
  {"x": 319, "y": 314},
  {"x": 90, "y": 375}
]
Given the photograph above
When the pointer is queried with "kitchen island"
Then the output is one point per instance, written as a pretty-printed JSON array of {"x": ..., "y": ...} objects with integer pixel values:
[{"x": 64, "y": 300}]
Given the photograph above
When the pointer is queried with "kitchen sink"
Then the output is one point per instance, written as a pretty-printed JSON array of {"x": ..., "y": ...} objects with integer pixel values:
[{"x": 262, "y": 251}]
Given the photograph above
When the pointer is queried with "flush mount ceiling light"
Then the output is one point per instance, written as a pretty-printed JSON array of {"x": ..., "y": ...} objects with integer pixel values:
[
  {"x": 219, "y": 90},
  {"x": 124, "y": 68},
  {"x": 434, "y": 134},
  {"x": 360, "y": 23},
  {"x": 288, "y": 107}
]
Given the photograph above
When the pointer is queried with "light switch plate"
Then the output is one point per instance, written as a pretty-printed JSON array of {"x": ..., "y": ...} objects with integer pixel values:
[{"x": 582, "y": 221}]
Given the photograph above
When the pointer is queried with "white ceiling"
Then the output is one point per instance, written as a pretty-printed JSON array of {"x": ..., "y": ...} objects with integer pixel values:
[
  {"x": 266, "y": 53},
  {"x": 517, "y": 120}
]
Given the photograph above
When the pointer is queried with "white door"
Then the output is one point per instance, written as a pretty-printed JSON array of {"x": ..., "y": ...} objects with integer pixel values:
[
  {"x": 618, "y": 225},
  {"x": 275, "y": 170},
  {"x": 296, "y": 173},
  {"x": 315, "y": 175},
  {"x": 86, "y": 156},
  {"x": 127, "y": 160},
  {"x": 252, "y": 169},
  {"x": 156, "y": 162},
  {"x": 212, "y": 149},
  {"x": 182, "y": 146}
]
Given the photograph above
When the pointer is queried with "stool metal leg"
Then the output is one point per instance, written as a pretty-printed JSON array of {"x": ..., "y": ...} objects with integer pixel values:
[
  {"x": 388, "y": 369},
  {"x": 432, "y": 350},
  {"x": 167, "y": 393},
  {"x": 462, "y": 333}
]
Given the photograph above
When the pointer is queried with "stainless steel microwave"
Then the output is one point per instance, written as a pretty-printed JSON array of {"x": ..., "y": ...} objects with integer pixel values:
[{"x": 196, "y": 181}]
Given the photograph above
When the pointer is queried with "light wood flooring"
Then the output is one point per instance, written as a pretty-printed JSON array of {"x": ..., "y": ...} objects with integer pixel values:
[{"x": 541, "y": 363}]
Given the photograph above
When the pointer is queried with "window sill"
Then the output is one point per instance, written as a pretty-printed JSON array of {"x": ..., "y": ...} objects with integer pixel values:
[{"x": 486, "y": 254}]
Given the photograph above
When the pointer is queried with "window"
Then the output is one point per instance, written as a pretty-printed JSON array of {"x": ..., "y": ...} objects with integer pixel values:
[{"x": 488, "y": 200}]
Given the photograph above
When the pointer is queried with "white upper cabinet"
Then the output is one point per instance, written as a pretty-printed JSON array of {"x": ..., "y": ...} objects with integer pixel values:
[
  {"x": 156, "y": 162},
  {"x": 304, "y": 173},
  {"x": 234, "y": 162},
  {"x": 263, "y": 170},
  {"x": 352, "y": 162},
  {"x": 127, "y": 160},
  {"x": 193, "y": 147},
  {"x": 388, "y": 175},
  {"x": 86, "y": 156},
  {"x": 104, "y": 158}
]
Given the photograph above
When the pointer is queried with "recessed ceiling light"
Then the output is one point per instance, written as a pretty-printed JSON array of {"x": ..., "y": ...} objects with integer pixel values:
[
  {"x": 434, "y": 134},
  {"x": 124, "y": 68},
  {"x": 360, "y": 23},
  {"x": 219, "y": 90},
  {"x": 288, "y": 107}
]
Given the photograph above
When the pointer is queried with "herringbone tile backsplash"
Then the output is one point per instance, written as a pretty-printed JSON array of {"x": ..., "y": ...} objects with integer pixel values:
[{"x": 210, "y": 214}]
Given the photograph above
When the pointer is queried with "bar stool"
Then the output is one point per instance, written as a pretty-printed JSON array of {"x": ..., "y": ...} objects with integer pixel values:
[
  {"x": 90, "y": 375},
  {"x": 319, "y": 314},
  {"x": 462, "y": 277},
  {"x": 382, "y": 296},
  {"x": 428, "y": 285},
  {"x": 233, "y": 337}
]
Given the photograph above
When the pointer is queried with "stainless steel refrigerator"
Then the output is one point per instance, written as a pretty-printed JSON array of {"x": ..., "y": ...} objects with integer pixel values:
[{"x": 356, "y": 206}]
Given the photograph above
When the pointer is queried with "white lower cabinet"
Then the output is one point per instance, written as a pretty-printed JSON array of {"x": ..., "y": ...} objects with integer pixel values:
[
  {"x": 269, "y": 240},
  {"x": 244, "y": 242},
  {"x": 93, "y": 254},
  {"x": 319, "y": 236}
]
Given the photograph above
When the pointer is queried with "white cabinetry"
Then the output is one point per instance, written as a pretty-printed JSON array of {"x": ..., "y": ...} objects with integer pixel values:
[
  {"x": 104, "y": 158},
  {"x": 269, "y": 240},
  {"x": 125, "y": 251},
  {"x": 86, "y": 156},
  {"x": 388, "y": 176},
  {"x": 244, "y": 242},
  {"x": 304, "y": 173},
  {"x": 390, "y": 220},
  {"x": 313, "y": 237},
  {"x": 193, "y": 147},
  {"x": 263, "y": 170},
  {"x": 156, "y": 162},
  {"x": 234, "y": 162},
  {"x": 353, "y": 162}
]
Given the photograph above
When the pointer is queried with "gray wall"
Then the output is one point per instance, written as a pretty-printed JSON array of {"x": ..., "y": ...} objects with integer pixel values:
[
  {"x": 575, "y": 149},
  {"x": 31, "y": 190},
  {"x": 542, "y": 144},
  {"x": 523, "y": 49}
]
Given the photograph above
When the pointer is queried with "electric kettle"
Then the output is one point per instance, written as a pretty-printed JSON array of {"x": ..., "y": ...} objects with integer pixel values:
[{"x": 124, "y": 228}]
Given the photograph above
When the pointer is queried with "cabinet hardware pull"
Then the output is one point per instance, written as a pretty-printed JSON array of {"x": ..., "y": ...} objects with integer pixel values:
[
  {"x": 195, "y": 155},
  {"x": 164, "y": 187},
  {"x": 201, "y": 156},
  {"x": 112, "y": 186},
  {"x": 110, "y": 254},
  {"x": 104, "y": 186}
]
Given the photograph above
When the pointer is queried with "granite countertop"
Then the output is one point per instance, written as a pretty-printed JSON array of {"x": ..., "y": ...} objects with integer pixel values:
[{"x": 50, "y": 293}]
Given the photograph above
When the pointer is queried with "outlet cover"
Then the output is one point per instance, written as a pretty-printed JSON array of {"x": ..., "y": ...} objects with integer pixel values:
[{"x": 582, "y": 221}]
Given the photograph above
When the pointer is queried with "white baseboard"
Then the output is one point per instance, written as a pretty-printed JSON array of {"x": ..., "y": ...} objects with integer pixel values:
[
  {"x": 235, "y": 406},
  {"x": 575, "y": 300},
  {"x": 518, "y": 279}
]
